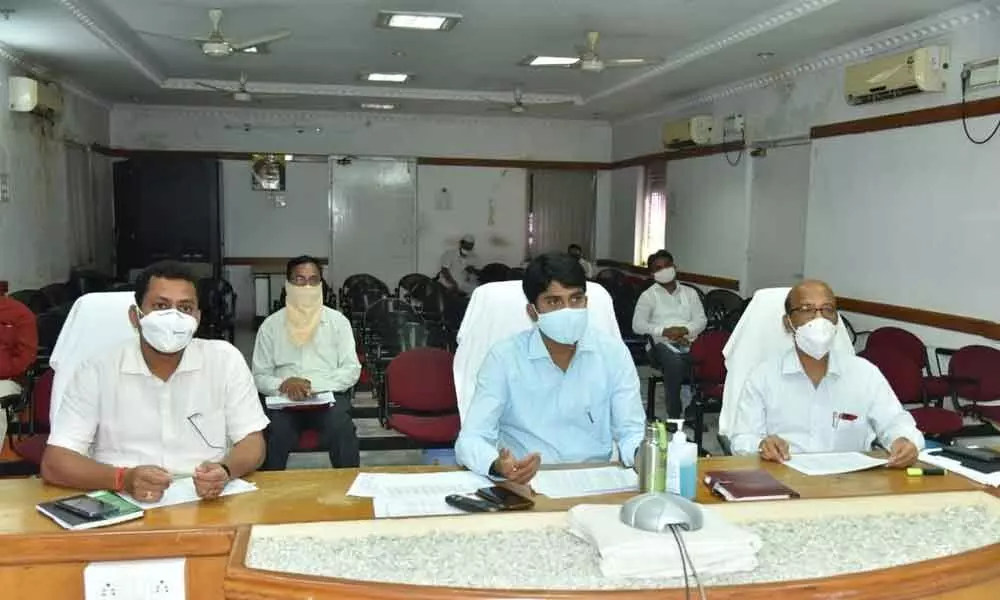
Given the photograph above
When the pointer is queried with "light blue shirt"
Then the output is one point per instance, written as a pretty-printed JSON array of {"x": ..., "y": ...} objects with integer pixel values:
[{"x": 525, "y": 403}]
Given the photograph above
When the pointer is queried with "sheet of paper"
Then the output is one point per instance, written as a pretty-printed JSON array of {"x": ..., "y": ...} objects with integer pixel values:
[
  {"x": 182, "y": 491},
  {"x": 572, "y": 483},
  {"x": 950, "y": 464},
  {"x": 320, "y": 399},
  {"x": 419, "y": 505},
  {"x": 388, "y": 485},
  {"x": 833, "y": 463}
]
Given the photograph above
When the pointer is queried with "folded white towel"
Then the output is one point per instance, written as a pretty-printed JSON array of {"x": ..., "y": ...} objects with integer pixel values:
[{"x": 718, "y": 547}]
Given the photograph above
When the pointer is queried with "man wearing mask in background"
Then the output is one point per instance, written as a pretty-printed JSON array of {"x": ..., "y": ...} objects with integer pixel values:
[
  {"x": 460, "y": 267},
  {"x": 302, "y": 350},
  {"x": 557, "y": 393},
  {"x": 577, "y": 252},
  {"x": 811, "y": 400},
  {"x": 159, "y": 406},
  {"x": 672, "y": 314}
]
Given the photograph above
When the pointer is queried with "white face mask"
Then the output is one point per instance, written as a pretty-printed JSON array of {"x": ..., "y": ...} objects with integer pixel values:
[
  {"x": 815, "y": 338},
  {"x": 665, "y": 276},
  {"x": 168, "y": 331}
]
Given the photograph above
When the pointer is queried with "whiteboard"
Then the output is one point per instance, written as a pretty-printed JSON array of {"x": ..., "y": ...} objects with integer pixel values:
[{"x": 909, "y": 217}]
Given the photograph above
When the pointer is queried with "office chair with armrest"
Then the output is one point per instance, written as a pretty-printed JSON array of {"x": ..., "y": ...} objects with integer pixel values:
[
  {"x": 420, "y": 392},
  {"x": 974, "y": 375},
  {"x": 906, "y": 343}
]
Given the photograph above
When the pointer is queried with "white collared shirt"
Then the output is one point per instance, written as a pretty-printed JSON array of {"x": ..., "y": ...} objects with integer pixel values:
[
  {"x": 118, "y": 413},
  {"x": 657, "y": 309},
  {"x": 456, "y": 265},
  {"x": 329, "y": 360},
  {"x": 852, "y": 406}
]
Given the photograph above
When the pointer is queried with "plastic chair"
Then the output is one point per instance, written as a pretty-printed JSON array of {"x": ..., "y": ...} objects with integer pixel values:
[
  {"x": 421, "y": 396},
  {"x": 912, "y": 348},
  {"x": 974, "y": 375},
  {"x": 906, "y": 380}
]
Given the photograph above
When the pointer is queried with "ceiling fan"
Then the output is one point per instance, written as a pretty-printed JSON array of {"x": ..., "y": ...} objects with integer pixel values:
[
  {"x": 241, "y": 93},
  {"x": 592, "y": 62},
  {"x": 217, "y": 45},
  {"x": 519, "y": 106}
]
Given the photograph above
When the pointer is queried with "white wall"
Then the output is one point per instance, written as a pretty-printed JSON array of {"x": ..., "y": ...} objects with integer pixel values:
[
  {"x": 904, "y": 217},
  {"x": 488, "y": 203},
  {"x": 707, "y": 222},
  {"x": 35, "y": 239}
]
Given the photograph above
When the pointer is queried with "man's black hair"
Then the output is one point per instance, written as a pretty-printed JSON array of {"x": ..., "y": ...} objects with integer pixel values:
[
  {"x": 164, "y": 269},
  {"x": 302, "y": 260},
  {"x": 659, "y": 254},
  {"x": 554, "y": 266},
  {"x": 573, "y": 247}
]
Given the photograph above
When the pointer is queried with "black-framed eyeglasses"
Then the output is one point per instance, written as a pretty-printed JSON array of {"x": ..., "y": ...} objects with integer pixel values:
[
  {"x": 826, "y": 311},
  {"x": 300, "y": 281},
  {"x": 197, "y": 429}
]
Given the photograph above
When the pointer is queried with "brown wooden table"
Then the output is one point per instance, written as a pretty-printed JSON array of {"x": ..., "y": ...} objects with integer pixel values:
[{"x": 40, "y": 560}]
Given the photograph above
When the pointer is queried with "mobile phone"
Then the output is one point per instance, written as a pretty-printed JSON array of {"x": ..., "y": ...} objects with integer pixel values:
[
  {"x": 980, "y": 454},
  {"x": 87, "y": 507},
  {"x": 470, "y": 503},
  {"x": 504, "y": 498}
]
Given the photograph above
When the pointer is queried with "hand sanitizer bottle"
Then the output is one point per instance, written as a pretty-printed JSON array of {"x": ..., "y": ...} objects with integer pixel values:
[{"x": 682, "y": 463}]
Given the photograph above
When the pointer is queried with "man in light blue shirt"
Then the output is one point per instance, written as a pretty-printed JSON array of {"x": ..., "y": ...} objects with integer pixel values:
[{"x": 559, "y": 392}]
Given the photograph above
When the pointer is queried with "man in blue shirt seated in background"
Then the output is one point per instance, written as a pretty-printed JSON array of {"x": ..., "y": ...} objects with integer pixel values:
[{"x": 560, "y": 392}]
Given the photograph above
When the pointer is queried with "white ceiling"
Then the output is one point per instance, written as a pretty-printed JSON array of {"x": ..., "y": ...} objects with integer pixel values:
[{"x": 98, "y": 44}]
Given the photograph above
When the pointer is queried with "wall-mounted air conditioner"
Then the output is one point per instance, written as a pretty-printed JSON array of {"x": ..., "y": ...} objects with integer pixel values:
[
  {"x": 914, "y": 72},
  {"x": 31, "y": 95},
  {"x": 696, "y": 131}
]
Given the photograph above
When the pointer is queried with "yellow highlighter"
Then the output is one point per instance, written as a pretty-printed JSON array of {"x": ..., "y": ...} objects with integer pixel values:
[{"x": 918, "y": 472}]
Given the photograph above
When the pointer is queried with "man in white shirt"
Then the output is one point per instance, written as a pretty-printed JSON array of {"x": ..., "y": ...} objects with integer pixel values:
[
  {"x": 812, "y": 400},
  {"x": 302, "y": 350},
  {"x": 160, "y": 406},
  {"x": 673, "y": 316},
  {"x": 576, "y": 252},
  {"x": 460, "y": 267}
]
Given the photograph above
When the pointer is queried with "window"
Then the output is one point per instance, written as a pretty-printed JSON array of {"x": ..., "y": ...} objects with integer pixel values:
[{"x": 651, "y": 212}]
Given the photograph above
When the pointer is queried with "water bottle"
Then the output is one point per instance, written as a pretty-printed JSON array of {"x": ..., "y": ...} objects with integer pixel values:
[
  {"x": 682, "y": 465},
  {"x": 649, "y": 462}
]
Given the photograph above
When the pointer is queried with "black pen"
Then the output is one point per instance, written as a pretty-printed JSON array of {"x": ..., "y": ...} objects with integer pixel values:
[{"x": 590, "y": 416}]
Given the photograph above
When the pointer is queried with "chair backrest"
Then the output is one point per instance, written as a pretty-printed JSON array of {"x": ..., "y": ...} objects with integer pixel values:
[
  {"x": 901, "y": 341},
  {"x": 904, "y": 375},
  {"x": 722, "y": 307},
  {"x": 18, "y": 338},
  {"x": 50, "y": 325},
  {"x": 407, "y": 283},
  {"x": 35, "y": 300},
  {"x": 497, "y": 311},
  {"x": 494, "y": 272},
  {"x": 709, "y": 365},
  {"x": 701, "y": 294},
  {"x": 364, "y": 281},
  {"x": 421, "y": 379},
  {"x": 981, "y": 363},
  {"x": 759, "y": 336},
  {"x": 95, "y": 323},
  {"x": 58, "y": 293}
]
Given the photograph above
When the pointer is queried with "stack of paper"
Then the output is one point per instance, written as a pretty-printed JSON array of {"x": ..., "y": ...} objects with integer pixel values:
[
  {"x": 718, "y": 547},
  {"x": 950, "y": 464},
  {"x": 833, "y": 463},
  {"x": 574, "y": 483},
  {"x": 319, "y": 399},
  {"x": 414, "y": 494},
  {"x": 182, "y": 491}
]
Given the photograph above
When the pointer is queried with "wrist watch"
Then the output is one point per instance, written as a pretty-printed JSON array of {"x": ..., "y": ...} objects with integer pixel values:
[{"x": 225, "y": 467}]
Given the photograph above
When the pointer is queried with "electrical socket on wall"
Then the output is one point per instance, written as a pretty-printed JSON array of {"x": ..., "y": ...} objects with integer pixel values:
[{"x": 160, "y": 579}]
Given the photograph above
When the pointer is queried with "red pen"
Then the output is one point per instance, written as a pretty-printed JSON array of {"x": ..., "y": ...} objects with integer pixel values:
[{"x": 841, "y": 416}]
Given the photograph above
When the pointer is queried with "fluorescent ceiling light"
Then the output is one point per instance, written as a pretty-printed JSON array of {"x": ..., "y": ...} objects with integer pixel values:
[
  {"x": 551, "y": 61},
  {"x": 250, "y": 50},
  {"x": 417, "y": 20},
  {"x": 377, "y": 106},
  {"x": 386, "y": 77},
  {"x": 629, "y": 61}
]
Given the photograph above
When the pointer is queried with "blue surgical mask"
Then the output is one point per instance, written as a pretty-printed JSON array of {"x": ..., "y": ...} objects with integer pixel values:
[{"x": 565, "y": 326}]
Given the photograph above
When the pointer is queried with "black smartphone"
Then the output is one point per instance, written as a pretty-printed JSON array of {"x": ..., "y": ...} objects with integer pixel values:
[
  {"x": 981, "y": 454},
  {"x": 87, "y": 507},
  {"x": 470, "y": 503},
  {"x": 504, "y": 498}
]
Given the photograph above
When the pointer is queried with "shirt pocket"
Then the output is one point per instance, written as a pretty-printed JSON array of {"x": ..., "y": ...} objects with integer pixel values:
[{"x": 206, "y": 430}]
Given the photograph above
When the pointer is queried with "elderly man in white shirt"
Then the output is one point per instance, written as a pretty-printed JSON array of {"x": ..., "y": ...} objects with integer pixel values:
[
  {"x": 812, "y": 400},
  {"x": 301, "y": 350},
  {"x": 460, "y": 266},
  {"x": 672, "y": 314},
  {"x": 159, "y": 406}
]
